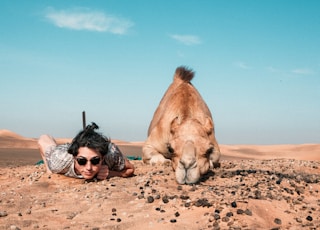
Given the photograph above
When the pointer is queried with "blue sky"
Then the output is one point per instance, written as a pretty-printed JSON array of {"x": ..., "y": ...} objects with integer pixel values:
[{"x": 256, "y": 63}]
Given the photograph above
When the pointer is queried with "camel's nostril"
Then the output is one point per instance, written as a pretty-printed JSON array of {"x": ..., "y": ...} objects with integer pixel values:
[{"x": 188, "y": 164}]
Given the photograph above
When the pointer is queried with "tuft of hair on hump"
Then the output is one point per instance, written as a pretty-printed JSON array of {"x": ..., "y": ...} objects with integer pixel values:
[{"x": 184, "y": 74}]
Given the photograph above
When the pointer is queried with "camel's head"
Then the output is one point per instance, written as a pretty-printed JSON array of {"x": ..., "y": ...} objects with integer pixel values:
[{"x": 192, "y": 149}]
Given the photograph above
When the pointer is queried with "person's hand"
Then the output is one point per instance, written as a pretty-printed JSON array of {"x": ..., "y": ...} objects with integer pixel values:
[{"x": 103, "y": 172}]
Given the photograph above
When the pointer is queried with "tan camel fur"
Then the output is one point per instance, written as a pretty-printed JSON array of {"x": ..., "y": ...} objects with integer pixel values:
[{"x": 182, "y": 131}]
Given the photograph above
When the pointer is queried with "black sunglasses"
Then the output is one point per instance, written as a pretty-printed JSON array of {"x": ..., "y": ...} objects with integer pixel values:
[{"x": 93, "y": 160}]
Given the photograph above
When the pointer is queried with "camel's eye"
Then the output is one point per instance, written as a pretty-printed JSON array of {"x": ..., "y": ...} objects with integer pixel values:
[
  {"x": 170, "y": 149},
  {"x": 209, "y": 152}
]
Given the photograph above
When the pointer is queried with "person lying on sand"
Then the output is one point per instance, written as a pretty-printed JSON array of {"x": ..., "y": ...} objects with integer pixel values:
[{"x": 90, "y": 155}]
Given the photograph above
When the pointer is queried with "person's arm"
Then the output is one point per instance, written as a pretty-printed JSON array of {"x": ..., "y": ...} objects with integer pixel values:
[{"x": 126, "y": 172}]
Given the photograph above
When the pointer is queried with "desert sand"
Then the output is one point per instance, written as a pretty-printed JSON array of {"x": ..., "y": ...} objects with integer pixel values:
[{"x": 256, "y": 187}]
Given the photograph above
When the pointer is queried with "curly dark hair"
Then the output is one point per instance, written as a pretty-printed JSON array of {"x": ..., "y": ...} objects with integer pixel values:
[{"x": 91, "y": 139}]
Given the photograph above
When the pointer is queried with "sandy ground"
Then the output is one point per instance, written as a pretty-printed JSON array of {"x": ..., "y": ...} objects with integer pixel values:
[{"x": 256, "y": 187}]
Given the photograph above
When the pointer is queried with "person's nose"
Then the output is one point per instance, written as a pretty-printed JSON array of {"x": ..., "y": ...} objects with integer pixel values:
[{"x": 88, "y": 165}]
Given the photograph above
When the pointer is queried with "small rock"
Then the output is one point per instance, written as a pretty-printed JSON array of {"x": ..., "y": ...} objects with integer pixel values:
[
  {"x": 229, "y": 214},
  {"x": 248, "y": 212},
  {"x": 233, "y": 204},
  {"x": 299, "y": 190},
  {"x": 257, "y": 194},
  {"x": 173, "y": 220},
  {"x": 150, "y": 199},
  {"x": 13, "y": 227},
  {"x": 165, "y": 199},
  {"x": 225, "y": 219},
  {"x": 202, "y": 203},
  {"x": 3, "y": 214},
  {"x": 309, "y": 218},
  {"x": 184, "y": 197},
  {"x": 277, "y": 221},
  {"x": 240, "y": 211},
  {"x": 216, "y": 216}
]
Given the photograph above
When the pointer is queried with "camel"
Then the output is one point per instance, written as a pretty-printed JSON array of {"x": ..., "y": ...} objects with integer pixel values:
[{"x": 181, "y": 132}]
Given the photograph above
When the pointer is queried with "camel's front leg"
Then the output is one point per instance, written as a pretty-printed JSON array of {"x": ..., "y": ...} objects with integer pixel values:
[{"x": 150, "y": 155}]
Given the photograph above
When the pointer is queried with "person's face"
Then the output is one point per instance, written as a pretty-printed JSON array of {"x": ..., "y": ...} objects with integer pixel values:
[{"x": 88, "y": 162}]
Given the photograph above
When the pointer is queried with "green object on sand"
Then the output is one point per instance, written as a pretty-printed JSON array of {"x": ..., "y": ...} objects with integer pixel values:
[
  {"x": 134, "y": 158},
  {"x": 129, "y": 158},
  {"x": 40, "y": 162}
]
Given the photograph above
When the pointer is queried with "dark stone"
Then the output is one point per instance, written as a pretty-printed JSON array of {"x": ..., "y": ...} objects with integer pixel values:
[
  {"x": 216, "y": 216},
  {"x": 277, "y": 221},
  {"x": 257, "y": 195},
  {"x": 233, "y": 204},
  {"x": 184, "y": 197},
  {"x": 229, "y": 214},
  {"x": 165, "y": 199},
  {"x": 309, "y": 218},
  {"x": 202, "y": 203},
  {"x": 240, "y": 211},
  {"x": 299, "y": 190},
  {"x": 248, "y": 212},
  {"x": 150, "y": 199}
]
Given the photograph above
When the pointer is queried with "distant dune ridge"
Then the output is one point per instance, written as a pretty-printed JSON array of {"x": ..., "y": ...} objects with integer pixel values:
[
  {"x": 9, "y": 139},
  {"x": 265, "y": 152}
]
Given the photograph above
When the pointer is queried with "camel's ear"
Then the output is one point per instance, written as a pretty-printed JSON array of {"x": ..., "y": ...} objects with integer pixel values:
[
  {"x": 175, "y": 123},
  {"x": 208, "y": 125}
]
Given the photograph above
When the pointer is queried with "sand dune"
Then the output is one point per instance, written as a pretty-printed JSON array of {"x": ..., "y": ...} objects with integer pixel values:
[
  {"x": 264, "y": 152},
  {"x": 12, "y": 140}
]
